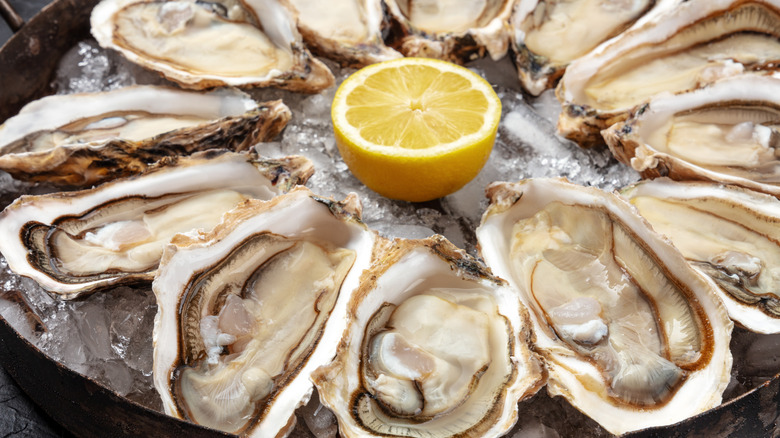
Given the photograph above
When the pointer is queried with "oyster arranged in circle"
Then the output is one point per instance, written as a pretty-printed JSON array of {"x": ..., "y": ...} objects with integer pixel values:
[
  {"x": 457, "y": 31},
  {"x": 73, "y": 243},
  {"x": 549, "y": 34},
  {"x": 253, "y": 43},
  {"x": 631, "y": 335},
  {"x": 681, "y": 49},
  {"x": 435, "y": 346},
  {"x": 728, "y": 132},
  {"x": 347, "y": 31},
  {"x": 85, "y": 139},
  {"x": 246, "y": 312},
  {"x": 726, "y": 232}
]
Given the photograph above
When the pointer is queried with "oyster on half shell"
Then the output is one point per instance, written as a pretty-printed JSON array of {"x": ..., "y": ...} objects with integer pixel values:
[
  {"x": 246, "y": 312},
  {"x": 549, "y": 34},
  {"x": 683, "y": 48},
  {"x": 726, "y": 232},
  {"x": 435, "y": 347},
  {"x": 728, "y": 132},
  {"x": 79, "y": 140},
  {"x": 73, "y": 243},
  {"x": 347, "y": 31},
  {"x": 631, "y": 335},
  {"x": 452, "y": 30},
  {"x": 201, "y": 45}
]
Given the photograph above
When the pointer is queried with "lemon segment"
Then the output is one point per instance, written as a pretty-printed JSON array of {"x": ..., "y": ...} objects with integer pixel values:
[{"x": 415, "y": 129}]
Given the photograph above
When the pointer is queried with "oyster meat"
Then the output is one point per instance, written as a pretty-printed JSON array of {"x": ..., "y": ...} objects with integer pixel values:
[
  {"x": 728, "y": 132},
  {"x": 452, "y": 30},
  {"x": 84, "y": 139},
  {"x": 726, "y": 232},
  {"x": 683, "y": 48},
  {"x": 72, "y": 243},
  {"x": 246, "y": 312},
  {"x": 204, "y": 45},
  {"x": 435, "y": 346},
  {"x": 549, "y": 34},
  {"x": 631, "y": 335},
  {"x": 348, "y": 31}
]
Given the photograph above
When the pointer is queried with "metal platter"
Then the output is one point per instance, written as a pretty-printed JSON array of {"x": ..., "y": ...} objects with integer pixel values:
[{"x": 86, "y": 408}]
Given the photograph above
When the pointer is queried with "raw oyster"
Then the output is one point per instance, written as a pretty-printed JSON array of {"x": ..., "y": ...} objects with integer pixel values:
[
  {"x": 435, "y": 346},
  {"x": 726, "y": 232},
  {"x": 348, "y": 31},
  {"x": 452, "y": 30},
  {"x": 202, "y": 45},
  {"x": 83, "y": 139},
  {"x": 249, "y": 310},
  {"x": 72, "y": 243},
  {"x": 683, "y": 48},
  {"x": 728, "y": 132},
  {"x": 631, "y": 335},
  {"x": 549, "y": 34}
]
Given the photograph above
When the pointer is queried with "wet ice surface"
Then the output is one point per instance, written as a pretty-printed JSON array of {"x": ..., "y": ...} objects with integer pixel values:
[{"x": 107, "y": 335}]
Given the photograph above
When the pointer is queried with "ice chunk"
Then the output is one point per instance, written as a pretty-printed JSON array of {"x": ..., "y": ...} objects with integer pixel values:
[
  {"x": 547, "y": 106},
  {"x": 87, "y": 67},
  {"x": 319, "y": 419},
  {"x": 92, "y": 323}
]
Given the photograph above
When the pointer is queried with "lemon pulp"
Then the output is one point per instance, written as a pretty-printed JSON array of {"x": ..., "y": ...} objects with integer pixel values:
[{"x": 415, "y": 129}]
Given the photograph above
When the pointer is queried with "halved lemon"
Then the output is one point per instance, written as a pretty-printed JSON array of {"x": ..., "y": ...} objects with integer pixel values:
[{"x": 415, "y": 129}]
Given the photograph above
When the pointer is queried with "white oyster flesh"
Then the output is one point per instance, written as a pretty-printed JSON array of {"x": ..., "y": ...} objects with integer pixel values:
[
  {"x": 728, "y": 132},
  {"x": 200, "y": 46},
  {"x": 348, "y": 31},
  {"x": 431, "y": 349},
  {"x": 679, "y": 49},
  {"x": 76, "y": 242},
  {"x": 248, "y": 311},
  {"x": 631, "y": 335},
  {"x": 446, "y": 15},
  {"x": 726, "y": 232},
  {"x": 455, "y": 30},
  {"x": 549, "y": 34}
]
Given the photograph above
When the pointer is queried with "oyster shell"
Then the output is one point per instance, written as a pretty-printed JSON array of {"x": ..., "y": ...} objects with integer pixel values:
[
  {"x": 84, "y": 139},
  {"x": 249, "y": 310},
  {"x": 728, "y": 132},
  {"x": 726, "y": 232},
  {"x": 452, "y": 30},
  {"x": 549, "y": 34},
  {"x": 631, "y": 335},
  {"x": 683, "y": 48},
  {"x": 72, "y": 243},
  {"x": 347, "y": 31},
  {"x": 202, "y": 45},
  {"x": 435, "y": 346}
]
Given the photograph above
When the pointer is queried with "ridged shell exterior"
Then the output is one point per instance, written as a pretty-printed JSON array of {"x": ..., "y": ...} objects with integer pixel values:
[{"x": 238, "y": 123}]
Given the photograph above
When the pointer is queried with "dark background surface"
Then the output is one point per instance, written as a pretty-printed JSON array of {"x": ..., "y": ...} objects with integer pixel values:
[{"x": 19, "y": 416}]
